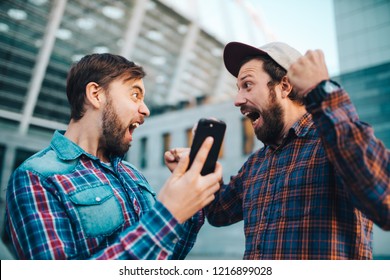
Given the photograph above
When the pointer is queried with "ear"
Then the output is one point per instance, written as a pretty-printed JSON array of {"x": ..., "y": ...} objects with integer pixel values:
[
  {"x": 286, "y": 87},
  {"x": 94, "y": 95}
]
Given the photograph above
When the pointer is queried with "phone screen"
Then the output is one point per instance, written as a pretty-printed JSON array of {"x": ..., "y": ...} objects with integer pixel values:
[{"x": 205, "y": 128}]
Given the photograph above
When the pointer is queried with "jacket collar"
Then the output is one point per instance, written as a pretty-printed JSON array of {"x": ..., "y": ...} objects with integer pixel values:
[{"x": 66, "y": 149}]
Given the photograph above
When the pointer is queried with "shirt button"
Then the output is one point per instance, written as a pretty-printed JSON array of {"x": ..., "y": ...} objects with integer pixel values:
[
  {"x": 98, "y": 199},
  {"x": 265, "y": 213},
  {"x": 271, "y": 181},
  {"x": 175, "y": 240}
]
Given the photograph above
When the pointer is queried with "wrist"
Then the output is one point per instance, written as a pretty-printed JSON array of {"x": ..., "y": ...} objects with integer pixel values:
[
  {"x": 316, "y": 95},
  {"x": 306, "y": 92}
]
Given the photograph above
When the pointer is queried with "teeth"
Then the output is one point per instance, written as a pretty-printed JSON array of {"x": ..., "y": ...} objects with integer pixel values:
[{"x": 135, "y": 125}]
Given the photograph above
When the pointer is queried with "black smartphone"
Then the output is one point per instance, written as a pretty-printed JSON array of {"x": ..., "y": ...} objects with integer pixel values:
[{"x": 205, "y": 128}]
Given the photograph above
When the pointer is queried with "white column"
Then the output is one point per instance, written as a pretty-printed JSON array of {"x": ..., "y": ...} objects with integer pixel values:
[
  {"x": 188, "y": 45},
  {"x": 41, "y": 63},
  {"x": 134, "y": 27},
  {"x": 220, "y": 91}
]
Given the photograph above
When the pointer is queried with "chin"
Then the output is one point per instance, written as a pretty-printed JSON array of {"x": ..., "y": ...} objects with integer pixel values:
[{"x": 120, "y": 150}]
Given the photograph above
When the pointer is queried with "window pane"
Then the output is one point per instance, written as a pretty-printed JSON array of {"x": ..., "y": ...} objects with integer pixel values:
[
  {"x": 248, "y": 136},
  {"x": 166, "y": 144},
  {"x": 144, "y": 153}
]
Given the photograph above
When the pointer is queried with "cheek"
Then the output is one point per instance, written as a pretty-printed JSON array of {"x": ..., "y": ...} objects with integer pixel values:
[
  {"x": 259, "y": 100},
  {"x": 264, "y": 97},
  {"x": 126, "y": 109}
]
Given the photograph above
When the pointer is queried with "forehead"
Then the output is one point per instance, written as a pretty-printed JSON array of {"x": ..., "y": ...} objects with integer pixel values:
[
  {"x": 123, "y": 86},
  {"x": 137, "y": 83},
  {"x": 254, "y": 66}
]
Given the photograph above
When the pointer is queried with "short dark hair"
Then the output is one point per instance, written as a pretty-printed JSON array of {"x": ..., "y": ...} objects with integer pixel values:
[
  {"x": 276, "y": 73},
  {"x": 101, "y": 69}
]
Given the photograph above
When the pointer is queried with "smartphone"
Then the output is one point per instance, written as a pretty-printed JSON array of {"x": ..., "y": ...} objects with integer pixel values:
[{"x": 205, "y": 128}]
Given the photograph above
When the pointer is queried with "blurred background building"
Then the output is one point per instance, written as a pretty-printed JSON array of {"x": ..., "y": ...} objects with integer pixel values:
[
  {"x": 180, "y": 45},
  {"x": 363, "y": 39}
]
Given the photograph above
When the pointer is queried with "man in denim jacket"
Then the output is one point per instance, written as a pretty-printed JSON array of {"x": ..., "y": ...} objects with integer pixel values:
[{"x": 78, "y": 198}]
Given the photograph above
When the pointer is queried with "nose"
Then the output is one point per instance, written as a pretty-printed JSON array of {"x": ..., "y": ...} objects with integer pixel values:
[
  {"x": 144, "y": 110},
  {"x": 240, "y": 99}
]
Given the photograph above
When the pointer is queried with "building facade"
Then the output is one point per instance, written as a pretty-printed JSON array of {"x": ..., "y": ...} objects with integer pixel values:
[
  {"x": 362, "y": 30},
  {"x": 40, "y": 39}
]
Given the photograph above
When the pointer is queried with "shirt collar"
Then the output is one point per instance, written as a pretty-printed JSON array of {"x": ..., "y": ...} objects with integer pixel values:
[{"x": 301, "y": 127}]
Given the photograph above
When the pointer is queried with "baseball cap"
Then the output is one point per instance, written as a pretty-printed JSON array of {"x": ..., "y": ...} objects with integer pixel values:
[{"x": 235, "y": 52}]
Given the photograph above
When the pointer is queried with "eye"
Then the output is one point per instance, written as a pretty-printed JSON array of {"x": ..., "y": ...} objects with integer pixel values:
[
  {"x": 136, "y": 95},
  {"x": 247, "y": 84},
  {"x": 244, "y": 85}
]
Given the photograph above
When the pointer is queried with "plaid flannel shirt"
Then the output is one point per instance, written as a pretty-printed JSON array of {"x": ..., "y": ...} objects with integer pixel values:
[
  {"x": 314, "y": 196},
  {"x": 63, "y": 203}
]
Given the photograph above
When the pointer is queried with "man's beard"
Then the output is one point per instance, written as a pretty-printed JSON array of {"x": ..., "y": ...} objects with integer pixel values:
[
  {"x": 113, "y": 132},
  {"x": 271, "y": 130}
]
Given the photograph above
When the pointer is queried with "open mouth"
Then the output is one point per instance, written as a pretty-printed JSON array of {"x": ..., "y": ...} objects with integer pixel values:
[
  {"x": 133, "y": 126},
  {"x": 253, "y": 115}
]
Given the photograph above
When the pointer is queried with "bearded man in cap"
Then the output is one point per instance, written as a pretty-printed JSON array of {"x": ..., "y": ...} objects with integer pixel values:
[{"x": 322, "y": 178}]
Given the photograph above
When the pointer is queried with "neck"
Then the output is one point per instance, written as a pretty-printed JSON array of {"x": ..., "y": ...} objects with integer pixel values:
[
  {"x": 86, "y": 135},
  {"x": 292, "y": 114}
]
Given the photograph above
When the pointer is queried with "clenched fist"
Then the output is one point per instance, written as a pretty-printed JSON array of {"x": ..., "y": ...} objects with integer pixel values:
[{"x": 308, "y": 71}]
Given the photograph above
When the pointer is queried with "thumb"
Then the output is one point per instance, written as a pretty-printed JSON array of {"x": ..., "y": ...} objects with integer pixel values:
[{"x": 181, "y": 167}]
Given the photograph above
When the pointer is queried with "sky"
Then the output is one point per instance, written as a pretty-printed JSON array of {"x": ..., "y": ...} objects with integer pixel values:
[{"x": 304, "y": 24}]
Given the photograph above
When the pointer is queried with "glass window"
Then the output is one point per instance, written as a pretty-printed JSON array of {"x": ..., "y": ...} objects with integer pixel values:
[
  {"x": 189, "y": 136},
  {"x": 144, "y": 153},
  {"x": 222, "y": 150},
  {"x": 22, "y": 26},
  {"x": 166, "y": 144},
  {"x": 86, "y": 27},
  {"x": 248, "y": 136}
]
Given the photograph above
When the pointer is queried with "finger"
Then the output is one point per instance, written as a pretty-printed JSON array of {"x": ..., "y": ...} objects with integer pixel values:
[
  {"x": 179, "y": 152},
  {"x": 208, "y": 200},
  {"x": 320, "y": 53},
  {"x": 218, "y": 169},
  {"x": 182, "y": 150},
  {"x": 175, "y": 155},
  {"x": 181, "y": 166},
  {"x": 216, "y": 175},
  {"x": 322, "y": 56},
  {"x": 201, "y": 156},
  {"x": 211, "y": 190},
  {"x": 168, "y": 156}
]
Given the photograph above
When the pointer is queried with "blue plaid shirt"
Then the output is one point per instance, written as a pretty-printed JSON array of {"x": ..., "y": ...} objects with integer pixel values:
[{"x": 63, "y": 203}]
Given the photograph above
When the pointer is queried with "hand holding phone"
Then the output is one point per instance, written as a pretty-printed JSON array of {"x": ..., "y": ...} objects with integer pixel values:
[{"x": 206, "y": 128}]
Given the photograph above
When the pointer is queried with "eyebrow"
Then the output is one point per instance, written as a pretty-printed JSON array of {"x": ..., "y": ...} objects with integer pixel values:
[
  {"x": 139, "y": 88},
  {"x": 246, "y": 76},
  {"x": 243, "y": 78}
]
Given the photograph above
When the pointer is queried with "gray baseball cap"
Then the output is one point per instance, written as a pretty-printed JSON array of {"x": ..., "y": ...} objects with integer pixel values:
[{"x": 235, "y": 52}]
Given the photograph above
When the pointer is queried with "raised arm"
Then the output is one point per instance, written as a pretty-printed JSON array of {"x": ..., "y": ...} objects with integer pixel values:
[{"x": 357, "y": 155}]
